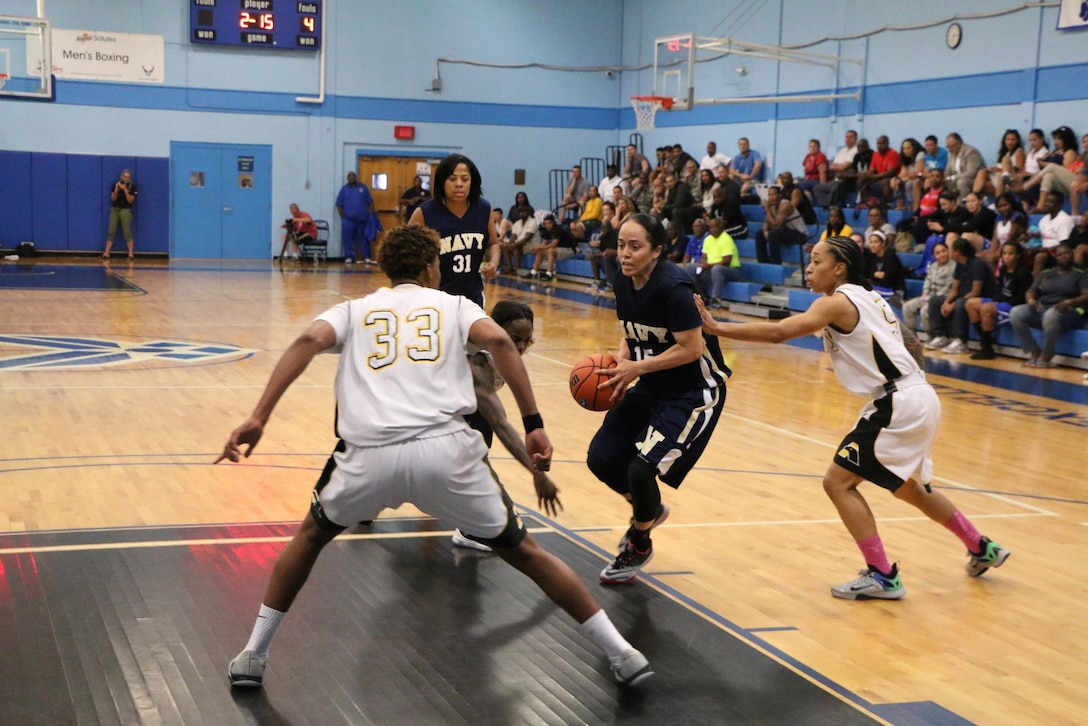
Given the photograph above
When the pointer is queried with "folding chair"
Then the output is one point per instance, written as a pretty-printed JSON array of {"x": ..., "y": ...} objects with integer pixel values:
[{"x": 316, "y": 248}]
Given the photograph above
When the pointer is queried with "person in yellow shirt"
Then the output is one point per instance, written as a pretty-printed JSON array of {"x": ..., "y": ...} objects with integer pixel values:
[
  {"x": 593, "y": 211},
  {"x": 719, "y": 263}
]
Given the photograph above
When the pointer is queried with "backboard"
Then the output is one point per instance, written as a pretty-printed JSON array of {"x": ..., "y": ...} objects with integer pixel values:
[
  {"x": 674, "y": 61},
  {"x": 25, "y": 58}
]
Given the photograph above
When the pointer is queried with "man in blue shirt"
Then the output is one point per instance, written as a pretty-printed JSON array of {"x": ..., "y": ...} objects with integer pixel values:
[
  {"x": 748, "y": 164},
  {"x": 354, "y": 204}
]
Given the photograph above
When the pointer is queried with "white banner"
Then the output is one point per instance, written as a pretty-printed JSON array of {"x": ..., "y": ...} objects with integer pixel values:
[
  {"x": 1073, "y": 14},
  {"x": 97, "y": 55}
]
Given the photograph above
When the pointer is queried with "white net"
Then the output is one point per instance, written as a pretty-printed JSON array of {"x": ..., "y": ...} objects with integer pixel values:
[{"x": 645, "y": 111}]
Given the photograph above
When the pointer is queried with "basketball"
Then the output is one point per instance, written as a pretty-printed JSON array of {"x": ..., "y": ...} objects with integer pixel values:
[{"x": 584, "y": 382}]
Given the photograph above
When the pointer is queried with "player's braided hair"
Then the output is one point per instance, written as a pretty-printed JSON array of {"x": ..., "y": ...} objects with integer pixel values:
[
  {"x": 506, "y": 311},
  {"x": 848, "y": 252},
  {"x": 406, "y": 251}
]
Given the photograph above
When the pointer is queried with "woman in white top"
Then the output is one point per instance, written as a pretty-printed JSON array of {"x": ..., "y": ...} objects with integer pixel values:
[{"x": 890, "y": 445}]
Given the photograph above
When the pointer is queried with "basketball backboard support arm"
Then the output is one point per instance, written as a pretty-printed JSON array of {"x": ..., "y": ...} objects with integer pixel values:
[{"x": 675, "y": 57}]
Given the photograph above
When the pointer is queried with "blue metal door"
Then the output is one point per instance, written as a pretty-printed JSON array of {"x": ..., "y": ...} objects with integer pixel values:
[{"x": 221, "y": 201}]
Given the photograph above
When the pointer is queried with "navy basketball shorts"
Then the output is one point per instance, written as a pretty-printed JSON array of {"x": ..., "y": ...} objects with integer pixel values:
[{"x": 669, "y": 429}]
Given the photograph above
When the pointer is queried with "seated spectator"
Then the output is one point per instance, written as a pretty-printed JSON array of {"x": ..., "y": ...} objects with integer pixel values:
[
  {"x": 964, "y": 163},
  {"x": 836, "y": 224},
  {"x": 676, "y": 242},
  {"x": 948, "y": 315},
  {"x": 727, "y": 206},
  {"x": 950, "y": 215},
  {"x": 556, "y": 244},
  {"x": 875, "y": 183},
  {"x": 1009, "y": 165},
  {"x": 624, "y": 209},
  {"x": 720, "y": 261},
  {"x": 902, "y": 183},
  {"x": 824, "y": 193},
  {"x": 1055, "y": 177},
  {"x": 524, "y": 237},
  {"x": 1037, "y": 153},
  {"x": 603, "y": 250},
  {"x": 502, "y": 229},
  {"x": 714, "y": 158},
  {"x": 977, "y": 228},
  {"x": 938, "y": 281},
  {"x": 929, "y": 207},
  {"x": 574, "y": 198},
  {"x": 591, "y": 210},
  {"x": 521, "y": 199},
  {"x": 932, "y": 157},
  {"x": 883, "y": 267},
  {"x": 680, "y": 159},
  {"x": 797, "y": 197},
  {"x": 707, "y": 183},
  {"x": 985, "y": 314},
  {"x": 1054, "y": 228},
  {"x": 679, "y": 205},
  {"x": 1056, "y": 303},
  {"x": 690, "y": 176},
  {"x": 1011, "y": 224},
  {"x": 301, "y": 230},
  {"x": 611, "y": 181},
  {"x": 782, "y": 225},
  {"x": 878, "y": 222},
  {"x": 1078, "y": 240},
  {"x": 847, "y": 182},
  {"x": 747, "y": 166},
  {"x": 637, "y": 164},
  {"x": 816, "y": 169},
  {"x": 641, "y": 197},
  {"x": 693, "y": 255}
]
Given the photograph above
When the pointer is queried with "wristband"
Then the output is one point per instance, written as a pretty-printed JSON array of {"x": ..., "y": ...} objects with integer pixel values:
[{"x": 532, "y": 422}]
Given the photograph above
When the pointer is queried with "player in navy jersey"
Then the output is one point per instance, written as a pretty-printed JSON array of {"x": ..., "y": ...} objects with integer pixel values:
[
  {"x": 659, "y": 427},
  {"x": 890, "y": 444},
  {"x": 469, "y": 249}
]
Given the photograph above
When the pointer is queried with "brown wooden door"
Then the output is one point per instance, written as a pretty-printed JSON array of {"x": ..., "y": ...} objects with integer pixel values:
[{"x": 388, "y": 177}]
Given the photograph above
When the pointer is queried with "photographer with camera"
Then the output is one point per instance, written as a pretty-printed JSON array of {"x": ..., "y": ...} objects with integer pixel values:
[
  {"x": 300, "y": 230},
  {"x": 122, "y": 197}
]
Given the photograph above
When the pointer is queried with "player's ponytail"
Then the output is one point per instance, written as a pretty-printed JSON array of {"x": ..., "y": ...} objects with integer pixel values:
[{"x": 848, "y": 252}]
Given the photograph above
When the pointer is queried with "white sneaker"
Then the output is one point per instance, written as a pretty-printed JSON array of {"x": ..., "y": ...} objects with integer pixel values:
[
  {"x": 632, "y": 668},
  {"x": 460, "y": 540},
  {"x": 593, "y": 286},
  {"x": 349, "y": 261},
  {"x": 940, "y": 341},
  {"x": 247, "y": 670},
  {"x": 956, "y": 347}
]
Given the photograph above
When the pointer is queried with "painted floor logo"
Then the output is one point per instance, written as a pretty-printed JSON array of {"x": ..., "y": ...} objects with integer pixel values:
[{"x": 49, "y": 352}]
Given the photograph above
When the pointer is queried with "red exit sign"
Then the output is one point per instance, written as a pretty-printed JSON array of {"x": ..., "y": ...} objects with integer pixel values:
[{"x": 405, "y": 133}]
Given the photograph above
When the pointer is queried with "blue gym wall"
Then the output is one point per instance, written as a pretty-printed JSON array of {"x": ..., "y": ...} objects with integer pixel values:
[{"x": 1012, "y": 71}]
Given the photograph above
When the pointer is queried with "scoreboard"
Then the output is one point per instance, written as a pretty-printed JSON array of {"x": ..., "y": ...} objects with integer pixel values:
[{"x": 281, "y": 24}]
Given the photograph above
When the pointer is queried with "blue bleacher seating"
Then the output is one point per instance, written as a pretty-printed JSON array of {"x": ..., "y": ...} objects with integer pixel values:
[
  {"x": 914, "y": 288},
  {"x": 763, "y": 272}
]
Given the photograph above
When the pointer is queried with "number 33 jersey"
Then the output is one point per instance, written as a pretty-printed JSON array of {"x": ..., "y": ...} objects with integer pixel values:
[{"x": 403, "y": 373}]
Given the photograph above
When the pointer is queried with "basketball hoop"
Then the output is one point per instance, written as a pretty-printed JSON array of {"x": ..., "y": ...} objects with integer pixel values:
[{"x": 646, "y": 108}]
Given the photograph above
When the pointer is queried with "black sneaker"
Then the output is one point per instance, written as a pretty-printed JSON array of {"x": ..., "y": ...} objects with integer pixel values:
[
  {"x": 626, "y": 566},
  {"x": 662, "y": 515},
  {"x": 984, "y": 354}
]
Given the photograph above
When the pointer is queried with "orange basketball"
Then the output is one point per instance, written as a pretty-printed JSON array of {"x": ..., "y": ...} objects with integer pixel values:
[{"x": 584, "y": 381}]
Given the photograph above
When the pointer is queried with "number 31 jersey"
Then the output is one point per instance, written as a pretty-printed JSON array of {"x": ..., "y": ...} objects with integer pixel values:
[
  {"x": 403, "y": 373},
  {"x": 463, "y": 243}
]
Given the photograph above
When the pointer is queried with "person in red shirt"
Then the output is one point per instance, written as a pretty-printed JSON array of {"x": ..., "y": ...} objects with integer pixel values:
[
  {"x": 815, "y": 165},
  {"x": 876, "y": 182},
  {"x": 300, "y": 230}
]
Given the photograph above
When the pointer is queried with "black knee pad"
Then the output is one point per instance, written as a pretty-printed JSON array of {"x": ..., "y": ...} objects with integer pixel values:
[
  {"x": 645, "y": 493},
  {"x": 612, "y": 474}
]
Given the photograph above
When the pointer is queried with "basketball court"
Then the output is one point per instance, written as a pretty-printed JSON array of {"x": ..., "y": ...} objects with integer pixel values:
[{"x": 133, "y": 567}]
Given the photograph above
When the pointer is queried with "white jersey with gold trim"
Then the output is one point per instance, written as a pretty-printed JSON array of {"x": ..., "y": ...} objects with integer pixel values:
[
  {"x": 874, "y": 353},
  {"x": 403, "y": 373}
]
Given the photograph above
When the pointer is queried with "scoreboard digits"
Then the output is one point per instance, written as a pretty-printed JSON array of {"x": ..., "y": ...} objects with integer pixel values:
[{"x": 283, "y": 24}]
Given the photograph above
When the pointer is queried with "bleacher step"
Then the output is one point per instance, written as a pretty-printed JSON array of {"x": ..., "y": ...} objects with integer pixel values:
[
  {"x": 771, "y": 299},
  {"x": 758, "y": 311}
]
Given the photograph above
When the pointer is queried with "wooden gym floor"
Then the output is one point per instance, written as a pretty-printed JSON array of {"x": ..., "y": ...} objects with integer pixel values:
[{"x": 131, "y": 568}]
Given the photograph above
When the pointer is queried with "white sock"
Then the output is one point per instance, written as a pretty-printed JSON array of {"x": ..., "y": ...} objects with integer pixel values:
[
  {"x": 268, "y": 621},
  {"x": 600, "y": 630}
]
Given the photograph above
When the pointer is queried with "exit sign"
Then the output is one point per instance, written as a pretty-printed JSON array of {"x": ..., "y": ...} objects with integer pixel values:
[{"x": 405, "y": 133}]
